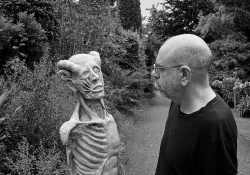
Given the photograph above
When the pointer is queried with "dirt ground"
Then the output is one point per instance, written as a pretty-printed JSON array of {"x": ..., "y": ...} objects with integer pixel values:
[{"x": 143, "y": 141}]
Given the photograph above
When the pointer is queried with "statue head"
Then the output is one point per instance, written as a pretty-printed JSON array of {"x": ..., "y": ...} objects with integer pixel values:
[{"x": 82, "y": 72}]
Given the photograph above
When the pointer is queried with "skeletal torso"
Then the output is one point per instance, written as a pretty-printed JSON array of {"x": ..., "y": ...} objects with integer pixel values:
[{"x": 92, "y": 148}]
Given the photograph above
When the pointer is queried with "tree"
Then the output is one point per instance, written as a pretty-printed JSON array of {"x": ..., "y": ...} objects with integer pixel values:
[
  {"x": 25, "y": 40},
  {"x": 227, "y": 41},
  {"x": 216, "y": 25},
  {"x": 130, "y": 14},
  {"x": 43, "y": 11},
  {"x": 178, "y": 16},
  {"x": 240, "y": 9}
]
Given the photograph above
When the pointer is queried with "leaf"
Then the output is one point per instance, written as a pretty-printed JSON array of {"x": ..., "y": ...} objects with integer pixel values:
[{"x": 3, "y": 97}]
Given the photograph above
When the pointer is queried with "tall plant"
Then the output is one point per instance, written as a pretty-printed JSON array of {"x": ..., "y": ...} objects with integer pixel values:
[
  {"x": 130, "y": 14},
  {"x": 178, "y": 16},
  {"x": 25, "y": 40}
]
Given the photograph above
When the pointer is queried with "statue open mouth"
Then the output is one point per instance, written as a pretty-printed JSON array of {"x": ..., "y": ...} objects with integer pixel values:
[{"x": 98, "y": 88}]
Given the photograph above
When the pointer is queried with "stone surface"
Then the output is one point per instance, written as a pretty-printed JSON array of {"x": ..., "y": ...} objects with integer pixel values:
[{"x": 91, "y": 137}]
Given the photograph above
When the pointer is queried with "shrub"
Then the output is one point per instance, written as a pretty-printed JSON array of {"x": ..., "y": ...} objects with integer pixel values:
[
  {"x": 38, "y": 104},
  {"x": 125, "y": 89},
  {"x": 244, "y": 107},
  {"x": 230, "y": 88},
  {"x": 43, "y": 11},
  {"x": 25, "y": 40},
  {"x": 124, "y": 69},
  {"x": 231, "y": 56},
  {"x": 225, "y": 88},
  {"x": 41, "y": 161}
]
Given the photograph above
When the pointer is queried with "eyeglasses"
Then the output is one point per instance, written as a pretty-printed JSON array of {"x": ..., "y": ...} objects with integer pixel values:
[{"x": 156, "y": 68}]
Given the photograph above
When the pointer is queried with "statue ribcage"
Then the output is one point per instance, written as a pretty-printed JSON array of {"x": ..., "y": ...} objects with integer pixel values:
[{"x": 93, "y": 149}]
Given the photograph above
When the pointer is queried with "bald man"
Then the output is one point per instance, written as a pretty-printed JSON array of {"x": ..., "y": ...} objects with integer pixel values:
[{"x": 200, "y": 135}]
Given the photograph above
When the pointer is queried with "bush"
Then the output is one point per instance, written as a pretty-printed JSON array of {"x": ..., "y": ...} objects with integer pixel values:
[
  {"x": 244, "y": 107},
  {"x": 125, "y": 71},
  {"x": 36, "y": 107},
  {"x": 43, "y": 12},
  {"x": 26, "y": 160},
  {"x": 25, "y": 40},
  {"x": 230, "y": 88},
  {"x": 225, "y": 88},
  {"x": 231, "y": 56}
]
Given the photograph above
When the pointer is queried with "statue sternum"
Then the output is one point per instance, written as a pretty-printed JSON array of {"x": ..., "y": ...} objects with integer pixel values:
[{"x": 91, "y": 110}]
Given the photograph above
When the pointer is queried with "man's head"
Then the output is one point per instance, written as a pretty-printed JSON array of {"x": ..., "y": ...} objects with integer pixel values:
[
  {"x": 191, "y": 58},
  {"x": 83, "y": 73}
]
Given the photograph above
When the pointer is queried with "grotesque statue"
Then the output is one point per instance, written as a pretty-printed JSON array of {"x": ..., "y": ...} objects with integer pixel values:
[{"x": 91, "y": 136}]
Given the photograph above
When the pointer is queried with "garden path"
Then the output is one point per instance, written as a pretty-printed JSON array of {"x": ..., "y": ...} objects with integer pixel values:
[{"x": 143, "y": 141}]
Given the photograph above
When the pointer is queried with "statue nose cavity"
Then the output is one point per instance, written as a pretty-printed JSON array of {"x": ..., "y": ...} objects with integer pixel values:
[{"x": 94, "y": 77}]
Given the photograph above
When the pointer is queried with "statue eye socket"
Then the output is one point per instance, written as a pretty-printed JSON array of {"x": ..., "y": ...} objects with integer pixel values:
[
  {"x": 85, "y": 73},
  {"x": 96, "y": 70}
]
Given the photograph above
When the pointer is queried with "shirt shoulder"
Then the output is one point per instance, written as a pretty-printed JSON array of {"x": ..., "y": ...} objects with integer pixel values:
[{"x": 219, "y": 120}]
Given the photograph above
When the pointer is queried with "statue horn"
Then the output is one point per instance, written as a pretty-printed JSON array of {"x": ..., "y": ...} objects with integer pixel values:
[
  {"x": 69, "y": 66},
  {"x": 96, "y": 55}
]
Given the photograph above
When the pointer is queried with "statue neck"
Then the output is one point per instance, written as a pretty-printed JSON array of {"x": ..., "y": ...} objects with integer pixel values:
[{"x": 96, "y": 108}]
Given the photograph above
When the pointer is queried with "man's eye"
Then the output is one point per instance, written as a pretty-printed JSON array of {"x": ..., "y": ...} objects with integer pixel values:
[{"x": 96, "y": 70}]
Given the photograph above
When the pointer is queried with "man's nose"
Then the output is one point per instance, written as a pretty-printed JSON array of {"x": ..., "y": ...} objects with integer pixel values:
[{"x": 154, "y": 75}]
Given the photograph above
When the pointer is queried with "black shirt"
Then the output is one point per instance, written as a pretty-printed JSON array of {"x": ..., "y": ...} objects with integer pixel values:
[{"x": 201, "y": 143}]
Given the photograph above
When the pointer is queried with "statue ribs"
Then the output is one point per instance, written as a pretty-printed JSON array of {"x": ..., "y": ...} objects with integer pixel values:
[{"x": 93, "y": 148}]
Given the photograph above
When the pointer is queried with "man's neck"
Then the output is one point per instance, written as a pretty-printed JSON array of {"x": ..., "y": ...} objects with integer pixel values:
[{"x": 195, "y": 99}]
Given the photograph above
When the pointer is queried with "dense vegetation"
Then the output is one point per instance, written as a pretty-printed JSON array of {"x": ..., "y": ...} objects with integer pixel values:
[
  {"x": 35, "y": 35},
  {"x": 34, "y": 102},
  {"x": 130, "y": 14}
]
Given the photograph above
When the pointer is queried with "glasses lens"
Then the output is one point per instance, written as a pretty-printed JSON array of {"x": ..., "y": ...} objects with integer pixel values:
[{"x": 155, "y": 69}]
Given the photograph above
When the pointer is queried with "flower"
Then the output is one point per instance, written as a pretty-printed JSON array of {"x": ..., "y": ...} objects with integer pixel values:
[{"x": 217, "y": 83}]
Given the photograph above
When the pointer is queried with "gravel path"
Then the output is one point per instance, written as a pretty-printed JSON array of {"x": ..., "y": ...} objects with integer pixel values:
[{"x": 143, "y": 142}]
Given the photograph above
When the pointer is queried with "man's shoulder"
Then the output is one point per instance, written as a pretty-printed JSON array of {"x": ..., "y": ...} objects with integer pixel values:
[
  {"x": 218, "y": 109},
  {"x": 219, "y": 119}
]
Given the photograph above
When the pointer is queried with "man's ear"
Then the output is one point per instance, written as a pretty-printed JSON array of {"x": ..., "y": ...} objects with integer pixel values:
[{"x": 186, "y": 75}]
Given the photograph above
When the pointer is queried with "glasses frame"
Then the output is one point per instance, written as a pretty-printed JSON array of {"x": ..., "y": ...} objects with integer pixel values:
[{"x": 156, "y": 68}]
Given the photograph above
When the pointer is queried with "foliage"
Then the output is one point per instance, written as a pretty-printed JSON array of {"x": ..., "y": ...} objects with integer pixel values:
[
  {"x": 25, "y": 40},
  {"x": 27, "y": 160},
  {"x": 216, "y": 25},
  {"x": 153, "y": 44},
  {"x": 225, "y": 88},
  {"x": 36, "y": 107},
  {"x": 124, "y": 89},
  {"x": 130, "y": 14},
  {"x": 230, "y": 88},
  {"x": 43, "y": 13},
  {"x": 231, "y": 54},
  {"x": 242, "y": 20},
  {"x": 85, "y": 27},
  {"x": 125, "y": 69},
  {"x": 243, "y": 91},
  {"x": 244, "y": 106},
  {"x": 223, "y": 22},
  {"x": 132, "y": 59},
  {"x": 178, "y": 16}
]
